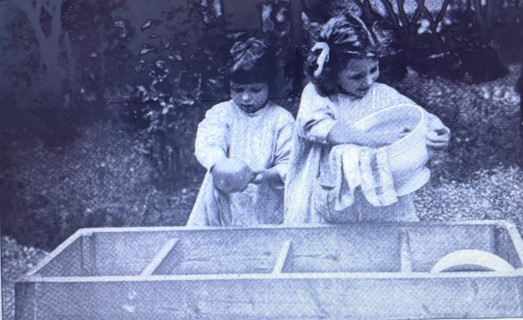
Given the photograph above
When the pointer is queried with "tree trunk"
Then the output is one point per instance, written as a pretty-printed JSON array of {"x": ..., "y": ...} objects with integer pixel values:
[{"x": 53, "y": 75}]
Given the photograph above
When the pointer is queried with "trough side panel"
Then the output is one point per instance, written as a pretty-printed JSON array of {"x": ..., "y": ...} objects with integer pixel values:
[{"x": 281, "y": 298}]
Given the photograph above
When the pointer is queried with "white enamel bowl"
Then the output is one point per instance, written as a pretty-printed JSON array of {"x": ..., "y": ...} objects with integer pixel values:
[{"x": 408, "y": 156}]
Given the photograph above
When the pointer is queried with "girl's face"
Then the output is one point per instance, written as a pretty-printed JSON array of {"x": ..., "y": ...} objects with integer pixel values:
[
  {"x": 358, "y": 76},
  {"x": 250, "y": 97}
]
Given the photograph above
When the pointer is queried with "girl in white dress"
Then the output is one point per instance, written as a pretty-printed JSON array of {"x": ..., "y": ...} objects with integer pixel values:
[
  {"x": 344, "y": 67},
  {"x": 247, "y": 128}
]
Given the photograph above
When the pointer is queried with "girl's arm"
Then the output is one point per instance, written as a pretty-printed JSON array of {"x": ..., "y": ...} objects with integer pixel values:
[
  {"x": 344, "y": 134},
  {"x": 316, "y": 123},
  {"x": 212, "y": 137},
  {"x": 315, "y": 118},
  {"x": 277, "y": 174}
]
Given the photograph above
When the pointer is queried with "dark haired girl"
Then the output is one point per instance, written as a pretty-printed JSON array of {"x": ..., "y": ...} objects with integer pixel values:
[{"x": 249, "y": 129}]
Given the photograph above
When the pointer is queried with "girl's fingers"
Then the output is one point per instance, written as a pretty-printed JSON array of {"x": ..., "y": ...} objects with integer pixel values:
[
  {"x": 437, "y": 144},
  {"x": 258, "y": 178}
]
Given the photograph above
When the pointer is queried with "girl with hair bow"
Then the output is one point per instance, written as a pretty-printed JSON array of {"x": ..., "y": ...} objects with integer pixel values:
[{"x": 343, "y": 68}]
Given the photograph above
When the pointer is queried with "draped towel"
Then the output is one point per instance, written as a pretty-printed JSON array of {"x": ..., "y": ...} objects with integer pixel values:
[{"x": 349, "y": 167}]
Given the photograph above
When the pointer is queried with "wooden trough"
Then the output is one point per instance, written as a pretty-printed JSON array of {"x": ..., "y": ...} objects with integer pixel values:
[{"x": 359, "y": 271}]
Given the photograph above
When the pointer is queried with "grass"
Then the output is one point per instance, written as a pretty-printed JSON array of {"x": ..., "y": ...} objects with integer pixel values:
[{"x": 490, "y": 194}]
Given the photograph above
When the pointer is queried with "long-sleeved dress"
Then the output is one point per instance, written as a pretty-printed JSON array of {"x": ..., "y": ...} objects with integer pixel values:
[
  {"x": 304, "y": 200},
  {"x": 262, "y": 140}
]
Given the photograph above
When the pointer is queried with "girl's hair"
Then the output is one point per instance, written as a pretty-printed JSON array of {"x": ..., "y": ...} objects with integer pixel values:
[
  {"x": 253, "y": 61},
  {"x": 339, "y": 40}
]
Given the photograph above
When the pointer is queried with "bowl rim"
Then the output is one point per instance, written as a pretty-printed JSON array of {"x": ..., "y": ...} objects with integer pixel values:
[{"x": 358, "y": 124}]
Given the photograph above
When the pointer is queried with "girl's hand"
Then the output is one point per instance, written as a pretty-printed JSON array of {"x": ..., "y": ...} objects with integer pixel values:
[
  {"x": 267, "y": 175},
  {"x": 438, "y": 135}
]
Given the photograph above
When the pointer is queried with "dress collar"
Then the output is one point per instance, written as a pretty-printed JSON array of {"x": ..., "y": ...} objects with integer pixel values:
[{"x": 257, "y": 113}]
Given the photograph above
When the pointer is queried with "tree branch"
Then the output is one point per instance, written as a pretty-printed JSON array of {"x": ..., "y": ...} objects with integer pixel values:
[
  {"x": 367, "y": 10},
  {"x": 426, "y": 12},
  {"x": 417, "y": 14},
  {"x": 401, "y": 11},
  {"x": 392, "y": 14},
  {"x": 441, "y": 14}
]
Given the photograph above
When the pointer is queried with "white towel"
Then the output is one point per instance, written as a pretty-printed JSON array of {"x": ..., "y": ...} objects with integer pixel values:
[{"x": 349, "y": 167}]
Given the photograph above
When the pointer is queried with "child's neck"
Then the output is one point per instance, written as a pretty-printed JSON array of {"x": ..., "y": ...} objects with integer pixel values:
[{"x": 344, "y": 92}]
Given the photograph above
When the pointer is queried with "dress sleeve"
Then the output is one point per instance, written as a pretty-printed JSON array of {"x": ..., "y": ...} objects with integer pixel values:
[
  {"x": 315, "y": 119},
  {"x": 283, "y": 144},
  {"x": 211, "y": 143}
]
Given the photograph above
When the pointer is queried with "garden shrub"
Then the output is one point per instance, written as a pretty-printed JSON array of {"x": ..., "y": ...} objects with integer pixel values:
[
  {"x": 455, "y": 40},
  {"x": 100, "y": 180},
  {"x": 178, "y": 76}
]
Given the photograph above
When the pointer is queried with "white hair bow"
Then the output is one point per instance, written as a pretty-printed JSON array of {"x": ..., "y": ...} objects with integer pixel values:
[{"x": 322, "y": 58}]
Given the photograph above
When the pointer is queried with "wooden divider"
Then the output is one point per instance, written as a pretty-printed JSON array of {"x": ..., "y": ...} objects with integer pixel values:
[
  {"x": 284, "y": 258},
  {"x": 88, "y": 254},
  {"x": 159, "y": 257},
  {"x": 405, "y": 252}
]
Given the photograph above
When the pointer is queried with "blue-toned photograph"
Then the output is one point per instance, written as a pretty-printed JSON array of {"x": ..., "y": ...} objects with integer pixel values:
[{"x": 261, "y": 159}]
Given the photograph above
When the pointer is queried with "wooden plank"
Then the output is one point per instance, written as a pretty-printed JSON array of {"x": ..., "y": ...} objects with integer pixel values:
[
  {"x": 517, "y": 242},
  {"x": 88, "y": 254},
  {"x": 26, "y": 301},
  {"x": 361, "y": 248},
  {"x": 220, "y": 254},
  {"x": 405, "y": 252},
  {"x": 160, "y": 256},
  {"x": 281, "y": 276},
  {"x": 284, "y": 257},
  {"x": 354, "y": 248},
  {"x": 281, "y": 296},
  {"x": 410, "y": 225}
]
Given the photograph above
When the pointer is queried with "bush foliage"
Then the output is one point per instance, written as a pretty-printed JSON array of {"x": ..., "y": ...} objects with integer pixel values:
[{"x": 100, "y": 180}]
